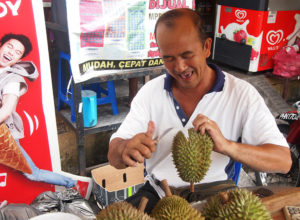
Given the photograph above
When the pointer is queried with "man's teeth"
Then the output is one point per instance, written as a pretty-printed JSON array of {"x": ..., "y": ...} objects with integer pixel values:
[
  {"x": 186, "y": 75},
  {"x": 6, "y": 57}
]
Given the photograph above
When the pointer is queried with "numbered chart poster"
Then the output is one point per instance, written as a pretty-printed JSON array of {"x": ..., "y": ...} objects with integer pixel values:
[
  {"x": 29, "y": 151},
  {"x": 115, "y": 36}
]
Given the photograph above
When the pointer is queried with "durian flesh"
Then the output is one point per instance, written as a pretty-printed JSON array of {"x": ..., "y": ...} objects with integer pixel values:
[
  {"x": 122, "y": 211},
  {"x": 192, "y": 156},
  {"x": 175, "y": 208},
  {"x": 239, "y": 204}
]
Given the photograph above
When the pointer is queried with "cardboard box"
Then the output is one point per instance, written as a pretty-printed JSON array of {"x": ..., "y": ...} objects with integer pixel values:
[{"x": 113, "y": 185}]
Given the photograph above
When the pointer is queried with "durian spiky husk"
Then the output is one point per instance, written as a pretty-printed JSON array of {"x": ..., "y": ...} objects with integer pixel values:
[
  {"x": 241, "y": 204},
  {"x": 175, "y": 207},
  {"x": 122, "y": 211},
  {"x": 192, "y": 156}
]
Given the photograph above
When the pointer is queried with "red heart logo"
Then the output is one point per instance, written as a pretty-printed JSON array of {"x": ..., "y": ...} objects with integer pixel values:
[
  {"x": 274, "y": 37},
  {"x": 240, "y": 14}
]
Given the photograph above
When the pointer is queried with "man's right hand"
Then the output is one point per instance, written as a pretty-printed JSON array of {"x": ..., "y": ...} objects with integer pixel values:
[{"x": 123, "y": 153}]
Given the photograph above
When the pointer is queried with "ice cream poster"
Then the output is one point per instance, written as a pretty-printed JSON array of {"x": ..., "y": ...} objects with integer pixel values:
[
  {"x": 29, "y": 151},
  {"x": 265, "y": 31}
]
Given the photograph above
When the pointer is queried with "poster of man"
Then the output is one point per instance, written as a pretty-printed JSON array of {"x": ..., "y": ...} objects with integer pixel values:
[{"x": 29, "y": 158}]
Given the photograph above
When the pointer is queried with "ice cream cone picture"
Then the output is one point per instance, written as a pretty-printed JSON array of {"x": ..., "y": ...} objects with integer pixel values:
[{"x": 10, "y": 153}]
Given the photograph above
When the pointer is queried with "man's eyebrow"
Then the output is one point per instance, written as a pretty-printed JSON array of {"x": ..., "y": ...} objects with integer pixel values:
[{"x": 186, "y": 53}]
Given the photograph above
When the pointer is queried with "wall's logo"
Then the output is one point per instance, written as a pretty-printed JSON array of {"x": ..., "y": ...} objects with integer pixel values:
[
  {"x": 274, "y": 37},
  {"x": 240, "y": 14}
]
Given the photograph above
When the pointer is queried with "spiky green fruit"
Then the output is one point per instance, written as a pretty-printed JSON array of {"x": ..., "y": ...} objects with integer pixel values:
[
  {"x": 235, "y": 204},
  {"x": 175, "y": 207},
  {"x": 192, "y": 156},
  {"x": 122, "y": 210}
]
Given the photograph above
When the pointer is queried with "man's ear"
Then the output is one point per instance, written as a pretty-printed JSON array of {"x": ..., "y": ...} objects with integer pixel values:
[{"x": 207, "y": 47}]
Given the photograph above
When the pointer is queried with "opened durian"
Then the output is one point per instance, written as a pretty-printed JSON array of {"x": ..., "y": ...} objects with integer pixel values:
[
  {"x": 122, "y": 210},
  {"x": 173, "y": 207},
  {"x": 235, "y": 204},
  {"x": 192, "y": 156}
]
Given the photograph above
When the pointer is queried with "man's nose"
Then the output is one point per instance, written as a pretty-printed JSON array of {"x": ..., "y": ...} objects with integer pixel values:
[
  {"x": 180, "y": 65},
  {"x": 11, "y": 53}
]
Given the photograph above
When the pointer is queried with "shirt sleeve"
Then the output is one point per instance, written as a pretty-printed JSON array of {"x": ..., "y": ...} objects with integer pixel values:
[
  {"x": 138, "y": 117},
  {"x": 12, "y": 88},
  {"x": 259, "y": 125}
]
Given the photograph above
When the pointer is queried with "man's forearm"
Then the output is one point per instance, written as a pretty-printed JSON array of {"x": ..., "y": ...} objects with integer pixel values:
[
  {"x": 266, "y": 157},
  {"x": 116, "y": 147}
]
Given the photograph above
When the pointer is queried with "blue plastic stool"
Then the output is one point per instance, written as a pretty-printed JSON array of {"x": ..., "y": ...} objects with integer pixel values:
[
  {"x": 237, "y": 171},
  {"x": 65, "y": 91}
]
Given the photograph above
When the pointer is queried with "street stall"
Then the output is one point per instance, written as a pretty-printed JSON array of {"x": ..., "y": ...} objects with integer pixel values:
[{"x": 107, "y": 40}]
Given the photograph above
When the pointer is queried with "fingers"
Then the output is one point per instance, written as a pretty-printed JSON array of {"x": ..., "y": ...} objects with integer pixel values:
[
  {"x": 202, "y": 124},
  {"x": 149, "y": 142},
  {"x": 150, "y": 129},
  {"x": 140, "y": 147},
  {"x": 134, "y": 155}
]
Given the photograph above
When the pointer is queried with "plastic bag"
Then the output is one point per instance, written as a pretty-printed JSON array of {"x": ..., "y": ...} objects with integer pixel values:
[
  {"x": 69, "y": 201},
  {"x": 287, "y": 62},
  {"x": 18, "y": 212}
]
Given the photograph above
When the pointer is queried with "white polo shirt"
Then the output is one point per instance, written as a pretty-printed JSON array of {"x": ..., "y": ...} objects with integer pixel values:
[{"x": 234, "y": 104}]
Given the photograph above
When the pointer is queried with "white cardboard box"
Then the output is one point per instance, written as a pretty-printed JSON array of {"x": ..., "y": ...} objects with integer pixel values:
[{"x": 114, "y": 185}]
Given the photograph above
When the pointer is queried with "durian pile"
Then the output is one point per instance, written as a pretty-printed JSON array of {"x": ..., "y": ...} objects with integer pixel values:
[
  {"x": 235, "y": 204},
  {"x": 192, "y": 156},
  {"x": 192, "y": 159}
]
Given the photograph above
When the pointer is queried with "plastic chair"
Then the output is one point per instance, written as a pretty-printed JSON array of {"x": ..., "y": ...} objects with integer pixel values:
[
  {"x": 65, "y": 90},
  {"x": 237, "y": 171}
]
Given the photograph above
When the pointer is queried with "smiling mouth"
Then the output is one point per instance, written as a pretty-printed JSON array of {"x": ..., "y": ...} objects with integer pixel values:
[
  {"x": 186, "y": 75},
  {"x": 7, "y": 58}
]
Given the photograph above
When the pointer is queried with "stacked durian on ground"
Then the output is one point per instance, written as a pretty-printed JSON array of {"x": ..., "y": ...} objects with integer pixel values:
[{"x": 191, "y": 157}]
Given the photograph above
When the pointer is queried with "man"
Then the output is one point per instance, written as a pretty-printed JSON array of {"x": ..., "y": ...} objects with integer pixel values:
[
  {"x": 14, "y": 47},
  {"x": 195, "y": 94}
]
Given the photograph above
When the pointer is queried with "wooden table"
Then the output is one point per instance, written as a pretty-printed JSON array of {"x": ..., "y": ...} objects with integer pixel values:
[{"x": 283, "y": 196}]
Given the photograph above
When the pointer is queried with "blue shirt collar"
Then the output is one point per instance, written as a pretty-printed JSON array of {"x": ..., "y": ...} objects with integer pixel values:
[{"x": 217, "y": 87}]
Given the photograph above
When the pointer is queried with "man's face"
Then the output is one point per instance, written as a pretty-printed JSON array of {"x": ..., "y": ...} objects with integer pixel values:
[
  {"x": 183, "y": 53},
  {"x": 11, "y": 52}
]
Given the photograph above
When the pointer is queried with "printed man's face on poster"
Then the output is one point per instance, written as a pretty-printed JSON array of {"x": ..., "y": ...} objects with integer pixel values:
[{"x": 11, "y": 52}]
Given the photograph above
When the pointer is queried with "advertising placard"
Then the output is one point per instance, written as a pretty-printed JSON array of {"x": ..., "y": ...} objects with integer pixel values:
[
  {"x": 265, "y": 31},
  {"x": 109, "y": 36},
  {"x": 29, "y": 151}
]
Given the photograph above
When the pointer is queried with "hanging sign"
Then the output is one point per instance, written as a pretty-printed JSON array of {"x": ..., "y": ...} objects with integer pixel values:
[{"x": 113, "y": 36}]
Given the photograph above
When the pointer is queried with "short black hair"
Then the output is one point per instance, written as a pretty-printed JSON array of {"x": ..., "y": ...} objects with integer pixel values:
[
  {"x": 169, "y": 17},
  {"x": 20, "y": 37}
]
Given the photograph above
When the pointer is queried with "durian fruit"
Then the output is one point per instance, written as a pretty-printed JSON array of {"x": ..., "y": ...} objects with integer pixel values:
[
  {"x": 173, "y": 207},
  {"x": 124, "y": 211},
  {"x": 192, "y": 156},
  {"x": 235, "y": 204}
]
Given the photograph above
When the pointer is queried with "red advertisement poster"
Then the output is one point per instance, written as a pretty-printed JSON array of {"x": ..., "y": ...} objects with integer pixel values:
[
  {"x": 266, "y": 31},
  {"x": 29, "y": 151}
]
